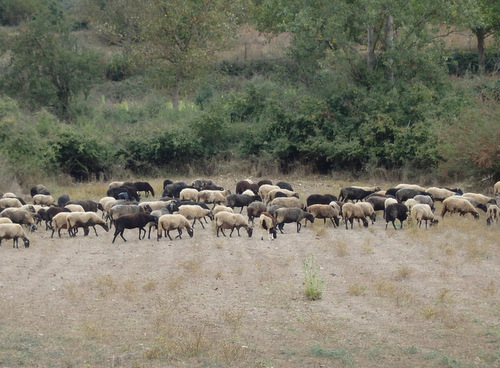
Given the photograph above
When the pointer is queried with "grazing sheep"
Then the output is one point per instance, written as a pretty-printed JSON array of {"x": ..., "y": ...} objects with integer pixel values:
[
  {"x": 231, "y": 221},
  {"x": 266, "y": 188},
  {"x": 169, "y": 222},
  {"x": 267, "y": 223},
  {"x": 195, "y": 212},
  {"x": 493, "y": 215},
  {"x": 221, "y": 208},
  {"x": 21, "y": 217},
  {"x": 75, "y": 220},
  {"x": 244, "y": 185},
  {"x": 410, "y": 203},
  {"x": 480, "y": 198},
  {"x": 59, "y": 222},
  {"x": 423, "y": 212},
  {"x": 88, "y": 205},
  {"x": 136, "y": 220},
  {"x": 424, "y": 199},
  {"x": 44, "y": 200},
  {"x": 377, "y": 202},
  {"x": 352, "y": 211},
  {"x": 440, "y": 194},
  {"x": 274, "y": 193},
  {"x": 320, "y": 199},
  {"x": 289, "y": 215},
  {"x": 241, "y": 200},
  {"x": 325, "y": 211},
  {"x": 264, "y": 181},
  {"x": 254, "y": 210},
  {"x": 460, "y": 205},
  {"x": 14, "y": 232},
  {"x": 368, "y": 210},
  {"x": 213, "y": 196},
  {"x": 173, "y": 189},
  {"x": 406, "y": 193},
  {"x": 289, "y": 202},
  {"x": 395, "y": 211},
  {"x": 189, "y": 194},
  {"x": 74, "y": 208},
  {"x": 38, "y": 189},
  {"x": 10, "y": 203},
  {"x": 144, "y": 186},
  {"x": 475, "y": 203},
  {"x": 353, "y": 193},
  {"x": 411, "y": 186}
]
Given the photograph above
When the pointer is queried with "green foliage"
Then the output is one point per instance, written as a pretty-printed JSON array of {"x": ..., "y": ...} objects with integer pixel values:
[
  {"x": 13, "y": 12},
  {"x": 461, "y": 63},
  {"x": 313, "y": 282}
]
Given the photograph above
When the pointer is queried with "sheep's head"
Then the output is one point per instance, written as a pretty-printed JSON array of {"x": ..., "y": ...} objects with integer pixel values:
[
  {"x": 190, "y": 232},
  {"x": 249, "y": 231},
  {"x": 26, "y": 243}
]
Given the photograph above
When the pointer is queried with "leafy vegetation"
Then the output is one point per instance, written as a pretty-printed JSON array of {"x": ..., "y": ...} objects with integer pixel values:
[{"x": 94, "y": 87}]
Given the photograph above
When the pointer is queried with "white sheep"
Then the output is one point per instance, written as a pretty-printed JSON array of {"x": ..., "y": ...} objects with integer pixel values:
[
  {"x": 231, "y": 221},
  {"x": 221, "y": 208},
  {"x": 14, "y": 232},
  {"x": 173, "y": 222},
  {"x": 248, "y": 192},
  {"x": 59, "y": 222},
  {"x": 480, "y": 198},
  {"x": 44, "y": 200},
  {"x": 351, "y": 211},
  {"x": 75, "y": 220},
  {"x": 21, "y": 217},
  {"x": 493, "y": 214},
  {"x": 10, "y": 203},
  {"x": 496, "y": 188},
  {"x": 423, "y": 212},
  {"x": 368, "y": 210},
  {"x": 389, "y": 201},
  {"x": 9, "y": 195},
  {"x": 188, "y": 194},
  {"x": 288, "y": 202},
  {"x": 5, "y": 220},
  {"x": 266, "y": 188},
  {"x": 115, "y": 184},
  {"x": 213, "y": 196},
  {"x": 325, "y": 211},
  {"x": 440, "y": 194},
  {"x": 272, "y": 194},
  {"x": 154, "y": 205},
  {"x": 195, "y": 212},
  {"x": 410, "y": 203},
  {"x": 411, "y": 186},
  {"x": 74, "y": 208},
  {"x": 460, "y": 205},
  {"x": 267, "y": 223}
]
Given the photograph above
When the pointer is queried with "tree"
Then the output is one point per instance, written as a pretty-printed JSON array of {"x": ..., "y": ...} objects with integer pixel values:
[
  {"x": 176, "y": 39},
  {"x": 47, "y": 65}
]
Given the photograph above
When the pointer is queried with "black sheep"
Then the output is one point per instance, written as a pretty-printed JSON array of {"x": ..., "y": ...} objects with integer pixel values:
[
  {"x": 136, "y": 220},
  {"x": 284, "y": 185},
  {"x": 243, "y": 185},
  {"x": 241, "y": 200},
  {"x": 406, "y": 193},
  {"x": 395, "y": 211},
  {"x": 320, "y": 199},
  {"x": 352, "y": 193},
  {"x": 144, "y": 186}
]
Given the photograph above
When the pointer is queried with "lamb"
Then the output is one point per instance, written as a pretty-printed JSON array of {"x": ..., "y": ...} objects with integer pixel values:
[
  {"x": 10, "y": 202},
  {"x": 195, "y": 212},
  {"x": 231, "y": 221},
  {"x": 44, "y": 200},
  {"x": 274, "y": 193},
  {"x": 75, "y": 220},
  {"x": 424, "y": 199},
  {"x": 241, "y": 200},
  {"x": 14, "y": 232},
  {"x": 244, "y": 185},
  {"x": 21, "y": 217},
  {"x": 423, "y": 212},
  {"x": 289, "y": 202},
  {"x": 144, "y": 186},
  {"x": 320, "y": 199},
  {"x": 289, "y": 215},
  {"x": 395, "y": 211},
  {"x": 353, "y": 193},
  {"x": 440, "y": 194},
  {"x": 136, "y": 220},
  {"x": 480, "y": 198},
  {"x": 493, "y": 214},
  {"x": 74, "y": 208},
  {"x": 325, "y": 211},
  {"x": 171, "y": 222},
  {"x": 254, "y": 210},
  {"x": 460, "y": 205},
  {"x": 351, "y": 211},
  {"x": 267, "y": 223},
  {"x": 188, "y": 194}
]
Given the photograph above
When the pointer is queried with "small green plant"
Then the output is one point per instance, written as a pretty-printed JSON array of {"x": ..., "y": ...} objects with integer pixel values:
[{"x": 313, "y": 282}]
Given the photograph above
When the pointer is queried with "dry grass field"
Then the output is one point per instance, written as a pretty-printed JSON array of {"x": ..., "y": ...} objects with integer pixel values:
[{"x": 410, "y": 298}]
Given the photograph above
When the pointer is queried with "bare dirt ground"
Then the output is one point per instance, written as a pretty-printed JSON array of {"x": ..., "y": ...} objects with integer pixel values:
[{"x": 410, "y": 298}]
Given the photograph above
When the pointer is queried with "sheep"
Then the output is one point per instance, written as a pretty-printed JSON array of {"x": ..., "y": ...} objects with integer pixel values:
[
  {"x": 496, "y": 189},
  {"x": 254, "y": 210},
  {"x": 424, "y": 199},
  {"x": 59, "y": 222},
  {"x": 460, "y": 205},
  {"x": 5, "y": 220},
  {"x": 389, "y": 201},
  {"x": 272, "y": 209},
  {"x": 266, "y": 188},
  {"x": 320, "y": 199},
  {"x": 157, "y": 205},
  {"x": 351, "y": 211},
  {"x": 9, "y": 195},
  {"x": 124, "y": 209},
  {"x": 44, "y": 200},
  {"x": 480, "y": 198},
  {"x": 378, "y": 202},
  {"x": 395, "y": 211},
  {"x": 21, "y": 217},
  {"x": 115, "y": 184},
  {"x": 410, "y": 203},
  {"x": 213, "y": 196},
  {"x": 171, "y": 222},
  {"x": 38, "y": 189},
  {"x": 274, "y": 193},
  {"x": 144, "y": 186},
  {"x": 201, "y": 183},
  {"x": 231, "y": 221},
  {"x": 284, "y": 185},
  {"x": 368, "y": 210},
  {"x": 241, "y": 200},
  {"x": 423, "y": 212},
  {"x": 267, "y": 223},
  {"x": 288, "y": 202},
  {"x": 368, "y": 189},
  {"x": 48, "y": 214},
  {"x": 221, "y": 208},
  {"x": 84, "y": 219},
  {"x": 411, "y": 186},
  {"x": 188, "y": 194},
  {"x": 132, "y": 221},
  {"x": 244, "y": 185},
  {"x": 195, "y": 212},
  {"x": 325, "y": 211},
  {"x": 62, "y": 200},
  {"x": 475, "y": 203},
  {"x": 289, "y": 215},
  {"x": 264, "y": 181},
  {"x": 406, "y": 193},
  {"x": 173, "y": 189},
  {"x": 353, "y": 193},
  {"x": 14, "y": 232},
  {"x": 88, "y": 205},
  {"x": 123, "y": 192},
  {"x": 74, "y": 208},
  {"x": 10, "y": 203},
  {"x": 493, "y": 214},
  {"x": 249, "y": 192},
  {"x": 440, "y": 194}
]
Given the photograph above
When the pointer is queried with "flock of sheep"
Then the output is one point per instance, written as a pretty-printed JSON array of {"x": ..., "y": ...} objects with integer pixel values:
[{"x": 272, "y": 206}]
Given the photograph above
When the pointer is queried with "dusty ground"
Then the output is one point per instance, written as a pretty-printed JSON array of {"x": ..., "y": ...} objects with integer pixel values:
[{"x": 411, "y": 298}]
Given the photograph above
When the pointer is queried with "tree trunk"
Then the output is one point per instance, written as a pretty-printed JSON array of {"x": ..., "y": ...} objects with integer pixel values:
[
  {"x": 370, "y": 59},
  {"x": 389, "y": 42},
  {"x": 481, "y": 58}
]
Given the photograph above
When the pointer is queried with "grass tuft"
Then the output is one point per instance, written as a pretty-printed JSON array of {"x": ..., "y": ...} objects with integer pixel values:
[{"x": 314, "y": 283}]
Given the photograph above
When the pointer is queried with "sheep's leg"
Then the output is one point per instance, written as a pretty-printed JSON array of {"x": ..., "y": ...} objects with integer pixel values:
[
  {"x": 179, "y": 230},
  {"x": 167, "y": 233},
  {"x": 393, "y": 224},
  {"x": 203, "y": 226},
  {"x": 95, "y": 231},
  {"x": 280, "y": 227},
  {"x": 141, "y": 229},
  {"x": 231, "y": 233},
  {"x": 299, "y": 226}
]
